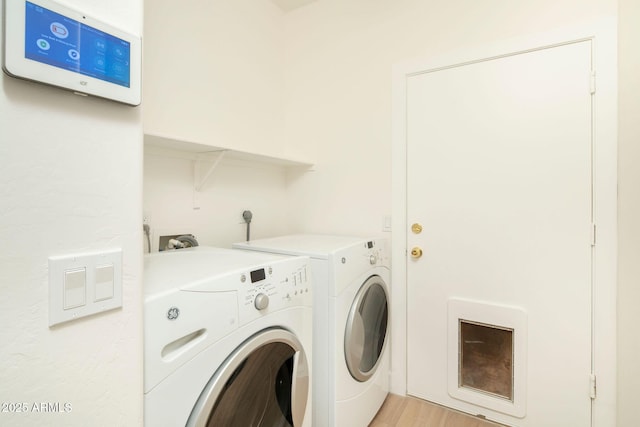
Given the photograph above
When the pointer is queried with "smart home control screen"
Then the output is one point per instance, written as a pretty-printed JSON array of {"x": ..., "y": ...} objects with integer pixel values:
[{"x": 62, "y": 42}]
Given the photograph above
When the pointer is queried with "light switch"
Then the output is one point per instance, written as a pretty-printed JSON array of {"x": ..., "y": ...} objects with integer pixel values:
[
  {"x": 104, "y": 282},
  {"x": 84, "y": 284},
  {"x": 75, "y": 288}
]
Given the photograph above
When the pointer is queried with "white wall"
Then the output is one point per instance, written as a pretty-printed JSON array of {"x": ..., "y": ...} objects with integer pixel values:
[
  {"x": 628, "y": 214},
  {"x": 233, "y": 187},
  {"x": 339, "y": 57},
  {"x": 216, "y": 78},
  {"x": 71, "y": 181},
  {"x": 213, "y": 73},
  {"x": 337, "y": 108}
]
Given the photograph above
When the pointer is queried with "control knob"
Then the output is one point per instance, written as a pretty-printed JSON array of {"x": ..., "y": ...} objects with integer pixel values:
[
  {"x": 373, "y": 259},
  {"x": 261, "y": 302}
]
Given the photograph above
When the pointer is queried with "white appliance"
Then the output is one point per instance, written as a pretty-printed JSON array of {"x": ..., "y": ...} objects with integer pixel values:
[
  {"x": 351, "y": 314},
  {"x": 228, "y": 339}
]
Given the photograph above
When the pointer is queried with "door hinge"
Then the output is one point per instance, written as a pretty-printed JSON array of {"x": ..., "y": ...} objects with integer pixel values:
[
  {"x": 593, "y": 234},
  {"x": 592, "y": 386},
  {"x": 592, "y": 83}
]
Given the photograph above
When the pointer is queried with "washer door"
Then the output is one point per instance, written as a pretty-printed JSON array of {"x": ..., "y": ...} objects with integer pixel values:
[
  {"x": 265, "y": 382},
  {"x": 366, "y": 329}
]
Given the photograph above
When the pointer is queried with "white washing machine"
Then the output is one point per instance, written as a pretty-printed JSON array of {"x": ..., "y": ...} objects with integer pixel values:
[
  {"x": 228, "y": 339},
  {"x": 351, "y": 323}
]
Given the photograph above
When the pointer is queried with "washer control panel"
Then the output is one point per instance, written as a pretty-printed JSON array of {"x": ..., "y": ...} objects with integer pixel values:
[{"x": 273, "y": 287}]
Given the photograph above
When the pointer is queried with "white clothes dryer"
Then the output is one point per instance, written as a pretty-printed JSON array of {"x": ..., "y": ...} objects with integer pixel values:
[
  {"x": 227, "y": 339},
  {"x": 351, "y": 323}
]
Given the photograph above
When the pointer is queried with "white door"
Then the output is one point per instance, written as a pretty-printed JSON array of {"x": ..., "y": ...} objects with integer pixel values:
[{"x": 499, "y": 177}]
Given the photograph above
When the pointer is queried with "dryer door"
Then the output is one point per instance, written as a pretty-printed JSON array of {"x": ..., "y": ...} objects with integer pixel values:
[
  {"x": 265, "y": 382},
  {"x": 366, "y": 329}
]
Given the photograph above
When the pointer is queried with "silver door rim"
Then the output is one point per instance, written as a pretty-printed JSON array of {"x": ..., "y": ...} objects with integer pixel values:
[
  {"x": 202, "y": 409},
  {"x": 353, "y": 362}
]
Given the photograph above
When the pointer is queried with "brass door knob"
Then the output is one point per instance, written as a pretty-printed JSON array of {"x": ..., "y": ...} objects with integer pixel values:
[{"x": 416, "y": 252}]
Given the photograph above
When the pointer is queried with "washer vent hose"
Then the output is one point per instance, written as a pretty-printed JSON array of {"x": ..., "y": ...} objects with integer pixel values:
[
  {"x": 184, "y": 241},
  {"x": 188, "y": 239}
]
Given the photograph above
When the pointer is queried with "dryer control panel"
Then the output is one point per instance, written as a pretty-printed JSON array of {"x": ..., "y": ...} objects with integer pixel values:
[
  {"x": 350, "y": 263},
  {"x": 274, "y": 287}
]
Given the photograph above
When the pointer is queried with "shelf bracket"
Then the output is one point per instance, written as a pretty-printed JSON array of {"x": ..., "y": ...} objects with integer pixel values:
[{"x": 201, "y": 176}]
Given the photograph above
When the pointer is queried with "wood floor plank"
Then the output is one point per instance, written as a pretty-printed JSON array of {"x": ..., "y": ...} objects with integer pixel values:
[
  {"x": 407, "y": 411},
  {"x": 392, "y": 409}
]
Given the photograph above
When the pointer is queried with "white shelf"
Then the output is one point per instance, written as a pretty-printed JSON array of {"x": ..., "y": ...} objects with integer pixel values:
[
  {"x": 163, "y": 143},
  {"x": 206, "y": 158}
]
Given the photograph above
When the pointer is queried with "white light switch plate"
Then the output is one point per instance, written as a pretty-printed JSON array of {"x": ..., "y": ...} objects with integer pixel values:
[
  {"x": 386, "y": 223},
  {"x": 101, "y": 289}
]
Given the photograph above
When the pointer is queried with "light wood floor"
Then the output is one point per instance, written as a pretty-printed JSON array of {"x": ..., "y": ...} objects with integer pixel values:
[{"x": 399, "y": 411}]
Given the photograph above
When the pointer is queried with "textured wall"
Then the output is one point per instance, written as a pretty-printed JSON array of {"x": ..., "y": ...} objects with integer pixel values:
[{"x": 71, "y": 182}]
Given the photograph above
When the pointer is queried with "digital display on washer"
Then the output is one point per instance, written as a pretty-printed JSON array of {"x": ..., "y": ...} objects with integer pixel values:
[
  {"x": 62, "y": 42},
  {"x": 257, "y": 275}
]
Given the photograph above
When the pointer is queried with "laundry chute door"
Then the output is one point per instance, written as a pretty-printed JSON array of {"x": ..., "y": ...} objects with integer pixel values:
[{"x": 499, "y": 211}]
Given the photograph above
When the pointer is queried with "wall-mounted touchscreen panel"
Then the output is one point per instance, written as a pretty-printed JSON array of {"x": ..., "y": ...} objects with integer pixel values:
[
  {"x": 49, "y": 43},
  {"x": 56, "y": 40}
]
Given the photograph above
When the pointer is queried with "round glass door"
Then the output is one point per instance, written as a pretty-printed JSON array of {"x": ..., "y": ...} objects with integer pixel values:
[
  {"x": 366, "y": 329},
  {"x": 264, "y": 383}
]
